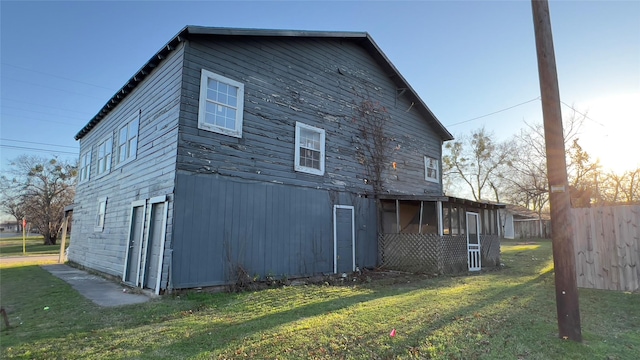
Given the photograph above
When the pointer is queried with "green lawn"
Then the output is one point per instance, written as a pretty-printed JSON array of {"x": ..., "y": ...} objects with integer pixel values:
[
  {"x": 34, "y": 246},
  {"x": 506, "y": 314}
]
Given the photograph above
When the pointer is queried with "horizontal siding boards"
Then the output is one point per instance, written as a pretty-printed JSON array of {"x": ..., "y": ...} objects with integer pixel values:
[
  {"x": 314, "y": 81},
  {"x": 266, "y": 228},
  {"x": 152, "y": 173}
]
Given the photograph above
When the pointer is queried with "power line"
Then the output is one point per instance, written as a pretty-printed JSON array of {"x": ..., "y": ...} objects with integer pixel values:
[
  {"x": 50, "y": 87},
  {"x": 38, "y": 149},
  {"x": 58, "y": 76},
  {"x": 36, "y": 119},
  {"x": 47, "y": 106},
  {"x": 495, "y": 112},
  {"x": 44, "y": 112},
  {"x": 37, "y": 143},
  {"x": 585, "y": 115}
]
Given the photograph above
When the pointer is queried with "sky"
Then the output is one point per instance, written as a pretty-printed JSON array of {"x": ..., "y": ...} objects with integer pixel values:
[{"x": 472, "y": 62}]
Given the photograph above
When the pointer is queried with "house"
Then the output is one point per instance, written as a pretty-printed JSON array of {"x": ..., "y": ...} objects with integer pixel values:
[
  {"x": 252, "y": 151},
  {"x": 521, "y": 223}
]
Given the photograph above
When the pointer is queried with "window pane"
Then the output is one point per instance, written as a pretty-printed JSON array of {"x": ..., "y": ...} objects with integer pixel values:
[
  {"x": 133, "y": 144},
  {"x": 310, "y": 158},
  {"x": 230, "y": 123},
  {"x": 122, "y": 153},
  {"x": 212, "y": 85},
  {"x": 133, "y": 128},
  {"x": 123, "y": 136},
  {"x": 212, "y": 95}
]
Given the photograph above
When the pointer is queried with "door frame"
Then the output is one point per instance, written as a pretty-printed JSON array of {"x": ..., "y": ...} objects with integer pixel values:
[
  {"x": 473, "y": 250},
  {"x": 335, "y": 237},
  {"x": 163, "y": 234},
  {"x": 134, "y": 204}
]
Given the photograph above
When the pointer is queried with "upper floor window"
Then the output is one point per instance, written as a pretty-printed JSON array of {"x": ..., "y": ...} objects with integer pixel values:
[
  {"x": 221, "y": 104},
  {"x": 104, "y": 156},
  {"x": 309, "y": 151},
  {"x": 431, "y": 170},
  {"x": 85, "y": 166},
  {"x": 128, "y": 141}
]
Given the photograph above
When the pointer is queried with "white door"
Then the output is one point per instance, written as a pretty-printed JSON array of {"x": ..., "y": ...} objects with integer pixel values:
[
  {"x": 473, "y": 242},
  {"x": 344, "y": 239}
]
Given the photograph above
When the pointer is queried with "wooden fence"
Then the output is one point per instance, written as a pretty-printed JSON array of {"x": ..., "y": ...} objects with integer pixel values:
[{"x": 607, "y": 246}]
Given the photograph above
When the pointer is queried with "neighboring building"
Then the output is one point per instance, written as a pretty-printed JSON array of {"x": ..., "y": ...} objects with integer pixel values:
[
  {"x": 241, "y": 150},
  {"x": 522, "y": 223}
]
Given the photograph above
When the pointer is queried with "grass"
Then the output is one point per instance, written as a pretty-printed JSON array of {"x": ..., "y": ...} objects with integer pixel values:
[
  {"x": 34, "y": 246},
  {"x": 506, "y": 314}
]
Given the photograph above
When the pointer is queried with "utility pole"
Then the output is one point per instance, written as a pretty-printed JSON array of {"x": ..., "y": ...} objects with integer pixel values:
[{"x": 564, "y": 260}]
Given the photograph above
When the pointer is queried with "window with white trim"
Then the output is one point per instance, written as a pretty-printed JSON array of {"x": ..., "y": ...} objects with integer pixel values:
[
  {"x": 309, "y": 151},
  {"x": 100, "y": 214},
  {"x": 127, "y": 141},
  {"x": 85, "y": 166},
  {"x": 104, "y": 156},
  {"x": 431, "y": 169},
  {"x": 221, "y": 104}
]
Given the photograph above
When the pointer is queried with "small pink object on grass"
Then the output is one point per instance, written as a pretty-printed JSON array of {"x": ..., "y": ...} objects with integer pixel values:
[{"x": 393, "y": 333}]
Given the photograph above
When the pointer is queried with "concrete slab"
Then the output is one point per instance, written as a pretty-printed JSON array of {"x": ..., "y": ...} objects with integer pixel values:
[{"x": 95, "y": 288}]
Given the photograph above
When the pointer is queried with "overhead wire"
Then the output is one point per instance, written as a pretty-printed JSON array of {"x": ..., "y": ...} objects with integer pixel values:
[
  {"x": 58, "y": 76},
  {"x": 38, "y": 149},
  {"x": 38, "y": 143},
  {"x": 495, "y": 112},
  {"x": 46, "y": 106}
]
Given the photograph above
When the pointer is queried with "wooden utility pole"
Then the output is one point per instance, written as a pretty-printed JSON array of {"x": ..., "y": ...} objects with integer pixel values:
[{"x": 564, "y": 260}]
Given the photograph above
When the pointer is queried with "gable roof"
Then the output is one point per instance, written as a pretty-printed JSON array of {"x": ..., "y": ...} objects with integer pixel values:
[{"x": 362, "y": 38}]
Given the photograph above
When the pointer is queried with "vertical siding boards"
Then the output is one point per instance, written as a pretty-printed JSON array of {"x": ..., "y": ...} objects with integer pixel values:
[
  {"x": 293, "y": 237},
  {"x": 607, "y": 243},
  {"x": 289, "y": 80},
  {"x": 152, "y": 173}
]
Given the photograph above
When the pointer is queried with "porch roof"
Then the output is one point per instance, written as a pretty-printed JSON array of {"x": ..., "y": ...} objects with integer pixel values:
[{"x": 450, "y": 199}]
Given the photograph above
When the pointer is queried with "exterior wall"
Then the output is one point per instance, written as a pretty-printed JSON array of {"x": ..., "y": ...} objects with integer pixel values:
[
  {"x": 150, "y": 174},
  {"x": 316, "y": 82},
  {"x": 240, "y": 200},
  {"x": 266, "y": 228}
]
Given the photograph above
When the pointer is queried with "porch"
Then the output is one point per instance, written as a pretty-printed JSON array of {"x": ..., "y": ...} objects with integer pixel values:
[{"x": 442, "y": 235}]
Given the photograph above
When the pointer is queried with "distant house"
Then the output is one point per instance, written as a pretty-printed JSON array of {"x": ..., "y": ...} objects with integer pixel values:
[
  {"x": 238, "y": 150},
  {"x": 522, "y": 223}
]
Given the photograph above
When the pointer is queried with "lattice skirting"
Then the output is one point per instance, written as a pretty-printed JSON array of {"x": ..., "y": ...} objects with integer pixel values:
[{"x": 433, "y": 254}]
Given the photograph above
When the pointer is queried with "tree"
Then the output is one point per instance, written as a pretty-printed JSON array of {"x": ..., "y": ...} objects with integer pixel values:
[
  {"x": 582, "y": 172},
  {"x": 42, "y": 188},
  {"x": 615, "y": 188},
  {"x": 477, "y": 161},
  {"x": 12, "y": 205},
  {"x": 526, "y": 181}
]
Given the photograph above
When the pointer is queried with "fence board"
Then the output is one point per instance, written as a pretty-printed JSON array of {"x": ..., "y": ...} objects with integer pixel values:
[{"x": 607, "y": 247}]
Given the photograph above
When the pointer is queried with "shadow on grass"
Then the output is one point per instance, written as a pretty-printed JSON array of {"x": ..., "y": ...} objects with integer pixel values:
[{"x": 216, "y": 339}]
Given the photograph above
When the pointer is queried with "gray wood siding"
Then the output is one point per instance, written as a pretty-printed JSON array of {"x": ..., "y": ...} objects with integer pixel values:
[
  {"x": 267, "y": 228},
  {"x": 152, "y": 173},
  {"x": 314, "y": 81}
]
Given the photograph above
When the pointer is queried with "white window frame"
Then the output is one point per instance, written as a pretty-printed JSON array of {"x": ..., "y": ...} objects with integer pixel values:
[
  {"x": 306, "y": 169},
  {"x": 85, "y": 167},
  {"x": 203, "y": 100},
  {"x": 132, "y": 151},
  {"x": 101, "y": 213},
  {"x": 428, "y": 166},
  {"x": 107, "y": 157}
]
